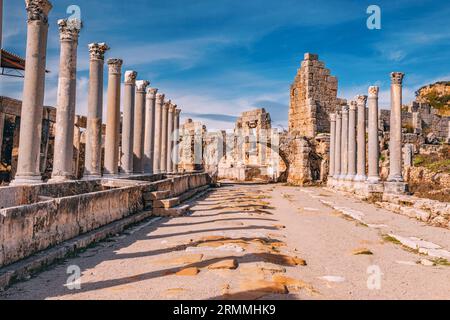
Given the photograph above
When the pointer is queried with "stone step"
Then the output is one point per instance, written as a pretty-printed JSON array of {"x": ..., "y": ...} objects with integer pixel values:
[
  {"x": 156, "y": 195},
  {"x": 181, "y": 209},
  {"x": 166, "y": 203},
  {"x": 171, "y": 212},
  {"x": 172, "y": 202}
]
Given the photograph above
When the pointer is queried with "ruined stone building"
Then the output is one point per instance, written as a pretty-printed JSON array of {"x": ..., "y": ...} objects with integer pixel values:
[
  {"x": 252, "y": 149},
  {"x": 313, "y": 96},
  {"x": 192, "y": 145}
]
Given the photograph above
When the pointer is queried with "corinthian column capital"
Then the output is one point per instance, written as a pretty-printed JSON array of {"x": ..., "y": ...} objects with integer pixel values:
[
  {"x": 373, "y": 91},
  {"x": 345, "y": 109},
  {"x": 353, "y": 105},
  {"x": 361, "y": 100},
  {"x": 141, "y": 85},
  {"x": 37, "y": 10},
  {"x": 397, "y": 77},
  {"x": 69, "y": 29},
  {"x": 160, "y": 97},
  {"x": 115, "y": 65},
  {"x": 177, "y": 112},
  {"x": 151, "y": 93},
  {"x": 97, "y": 50},
  {"x": 130, "y": 77}
]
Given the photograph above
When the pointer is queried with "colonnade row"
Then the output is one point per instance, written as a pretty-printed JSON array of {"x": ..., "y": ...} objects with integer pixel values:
[
  {"x": 347, "y": 166},
  {"x": 149, "y": 122}
]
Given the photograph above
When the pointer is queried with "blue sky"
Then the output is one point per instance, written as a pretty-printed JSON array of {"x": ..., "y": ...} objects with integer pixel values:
[{"x": 218, "y": 58}]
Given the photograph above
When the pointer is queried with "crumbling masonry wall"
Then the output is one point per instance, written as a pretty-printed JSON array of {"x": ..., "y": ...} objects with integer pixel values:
[{"x": 313, "y": 96}]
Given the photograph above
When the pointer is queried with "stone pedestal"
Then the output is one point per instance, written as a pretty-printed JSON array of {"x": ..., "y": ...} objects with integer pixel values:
[
  {"x": 65, "y": 112},
  {"x": 158, "y": 132},
  {"x": 28, "y": 170},
  {"x": 395, "y": 187},
  {"x": 149, "y": 136},
  {"x": 139, "y": 127},
  {"x": 93, "y": 153},
  {"x": 113, "y": 119},
  {"x": 128, "y": 122}
]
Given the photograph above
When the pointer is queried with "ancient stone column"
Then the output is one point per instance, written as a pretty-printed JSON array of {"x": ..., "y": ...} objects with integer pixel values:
[
  {"x": 128, "y": 122},
  {"x": 395, "y": 135},
  {"x": 65, "y": 112},
  {"x": 177, "y": 140},
  {"x": 158, "y": 132},
  {"x": 344, "y": 143},
  {"x": 351, "y": 170},
  {"x": 361, "y": 138},
  {"x": 170, "y": 138},
  {"x": 139, "y": 126},
  {"x": 337, "y": 146},
  {"x": 149, "y": 136},
  {"x": 93, "y": 153},
  {"x": 332, "y": 143},
  {"x": 33, "y": 93},
  {"x": 164, "y": 122},
  {"x": 373, "y": 144},
  {"x": 113, "y": 118}
]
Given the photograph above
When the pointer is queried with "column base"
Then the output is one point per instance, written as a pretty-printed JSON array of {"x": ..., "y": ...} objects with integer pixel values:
[
  {"x": 360, "y": 178},
  {"x": 373, "y": 180},
  {"x": 111, "y": 175},
  {"x": 26, "y": 180},
  {"x": 60, "y": 179},
  {"x": 394, "y": 187},
  {"x": 91, "y": 177}
]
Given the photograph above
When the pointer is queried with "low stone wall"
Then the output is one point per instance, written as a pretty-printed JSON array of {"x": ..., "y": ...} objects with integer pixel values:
[
  {"x": 32, "y": 225},
  {"x": 433, "y": 212}
]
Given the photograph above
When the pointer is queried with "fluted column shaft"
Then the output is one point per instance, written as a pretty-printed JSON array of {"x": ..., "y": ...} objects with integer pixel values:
[
  {"x": 373, "y": 144},
  {"x": 395, "y": 135},
  {"x": 337, "y": 146},
  {"x": 33, "y": 93},
  {"x": 164, "y": 122},
  {"x": 93, "y": 153},
  {"x": 158, "y": 132},
  {"x": 344, "y": 143},
  {"x": 332, "y": 144},
  {"x": 65, "y": 113},
  {"x": 177, "y": 140},
  {"x": 170, "y": 137},
  {"x": 139, "y": 126},
  {"x": 128, "y": 122},
  {"x": 113, "y": 118},
  {"x": 149, "y": 139},
  {"x": 361, "y": 137},
  {"x": 351, "y": 170}
]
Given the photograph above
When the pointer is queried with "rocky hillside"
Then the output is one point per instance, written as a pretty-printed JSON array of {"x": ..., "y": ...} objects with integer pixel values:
[{"x": 437, "y": 95}]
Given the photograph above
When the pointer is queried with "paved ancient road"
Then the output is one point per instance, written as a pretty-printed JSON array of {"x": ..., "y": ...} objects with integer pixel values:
[{"x": 255, "y": 242}]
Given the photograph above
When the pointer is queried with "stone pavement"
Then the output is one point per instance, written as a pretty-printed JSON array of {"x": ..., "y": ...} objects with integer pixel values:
[{"x": 252, "y": 241}]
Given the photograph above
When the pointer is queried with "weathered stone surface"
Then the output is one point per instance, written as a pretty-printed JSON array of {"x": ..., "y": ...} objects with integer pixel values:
[{"x": 224, "y": 264}]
